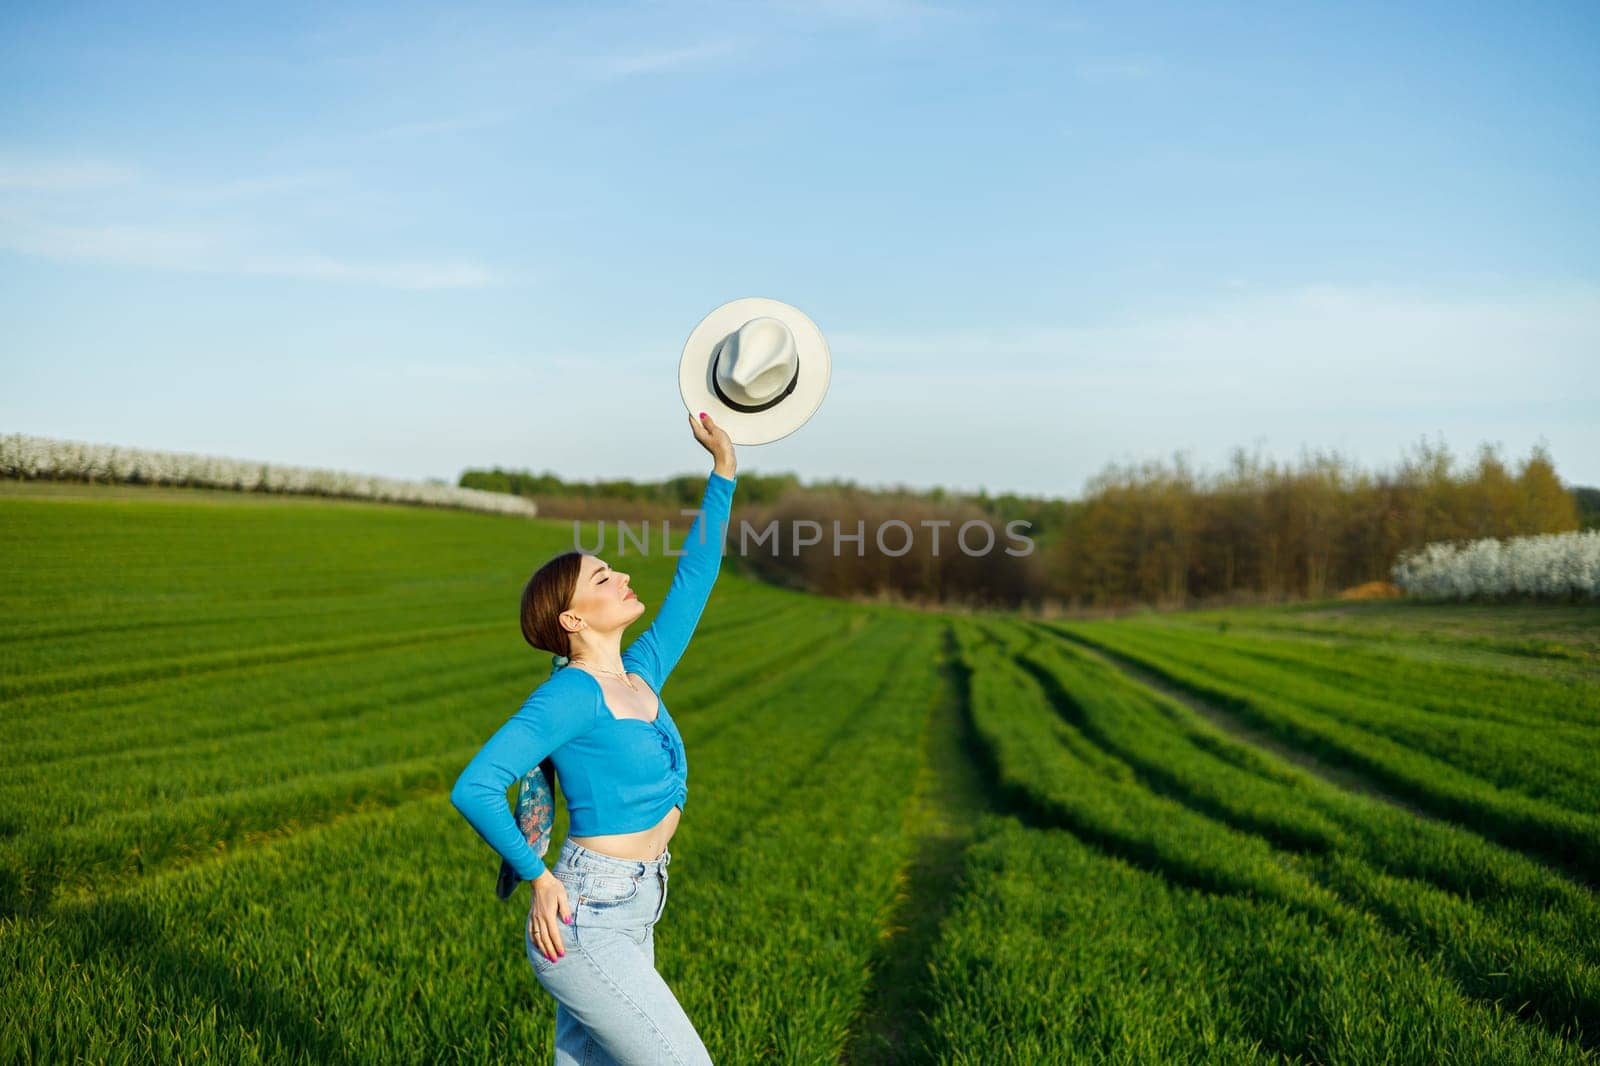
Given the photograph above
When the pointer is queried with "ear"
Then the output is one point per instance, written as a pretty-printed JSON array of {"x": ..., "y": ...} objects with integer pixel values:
[{"x": 570, "y": 622}]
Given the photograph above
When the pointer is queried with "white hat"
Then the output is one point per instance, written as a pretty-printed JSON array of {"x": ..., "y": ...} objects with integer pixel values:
[{"x": 759, "y": 367}]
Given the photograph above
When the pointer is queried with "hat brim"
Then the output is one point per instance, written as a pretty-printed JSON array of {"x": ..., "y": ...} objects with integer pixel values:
[{"x": 784, "y": 417}]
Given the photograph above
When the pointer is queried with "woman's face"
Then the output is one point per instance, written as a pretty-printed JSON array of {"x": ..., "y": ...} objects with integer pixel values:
[{"x": 603, "y": 598}]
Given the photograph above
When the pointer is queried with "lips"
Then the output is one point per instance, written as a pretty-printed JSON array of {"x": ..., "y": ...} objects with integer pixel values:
[{"x": 631, "y": 595}]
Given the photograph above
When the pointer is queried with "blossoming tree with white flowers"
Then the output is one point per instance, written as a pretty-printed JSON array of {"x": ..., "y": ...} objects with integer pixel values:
[
  {"x": 28, "y": 457},
  {"x": 1557, "y": 566}
]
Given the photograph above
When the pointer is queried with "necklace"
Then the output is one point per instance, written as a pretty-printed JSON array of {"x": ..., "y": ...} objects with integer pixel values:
[{"x": 611, "y": 673}]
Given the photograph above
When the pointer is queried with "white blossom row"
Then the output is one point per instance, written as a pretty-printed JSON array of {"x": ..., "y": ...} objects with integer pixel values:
[
  {"x": 1555, "y": 565},
  {"x": 23, "y": 456}
]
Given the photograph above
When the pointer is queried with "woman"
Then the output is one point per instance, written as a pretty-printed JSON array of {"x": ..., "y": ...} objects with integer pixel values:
[{"x": 623, "y": 771}]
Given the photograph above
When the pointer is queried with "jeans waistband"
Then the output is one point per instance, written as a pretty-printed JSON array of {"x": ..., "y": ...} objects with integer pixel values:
[{"x": 581, "y": 858}]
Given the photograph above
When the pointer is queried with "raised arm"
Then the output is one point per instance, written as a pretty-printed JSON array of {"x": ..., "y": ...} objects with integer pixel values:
[
  {"x": 556, "y": 712},
  {"x": 659, "y": 647}
]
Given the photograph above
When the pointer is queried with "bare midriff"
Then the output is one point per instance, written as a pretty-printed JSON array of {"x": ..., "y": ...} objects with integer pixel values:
[{"x": 645, "y": 844}]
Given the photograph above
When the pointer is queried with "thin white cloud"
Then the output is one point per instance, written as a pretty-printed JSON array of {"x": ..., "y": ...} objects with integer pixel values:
[
  {"x": 1315, "y": 347},
  {"x": 61, "y": 175},
  {"x": 671, "y": 59},
  {"x": 532, "y": 370},
  {"x": 83, "y": 189},
  {"x": 599, "y": 69},
  {"x": 552, "y": 58},
  {"x": 865, "y": 10},
  {"x": 76, "y": 178},
  {"x": 203, "y": 251},
  {"x": 1365, "y": 370},
  {"x": 1070, "y": 23},
  {"x": 266, "y": 185},
  {"x": 447, "y": 124},
  {"x": 393, "y": 275},
  {"x": 1109, "y": 69},
  {"x": 125, "y": 245},
  {"x": 572, "y": 73}
]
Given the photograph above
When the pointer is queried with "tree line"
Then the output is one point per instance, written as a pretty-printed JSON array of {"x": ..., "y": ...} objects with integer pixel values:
[{"x": 1154, "y": 532}]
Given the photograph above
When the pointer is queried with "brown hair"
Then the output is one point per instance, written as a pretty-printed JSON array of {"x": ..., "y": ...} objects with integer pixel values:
[{"x": 548, "y": 593}]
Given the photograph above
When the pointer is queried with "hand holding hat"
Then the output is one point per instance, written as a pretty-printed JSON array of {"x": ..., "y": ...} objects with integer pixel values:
[{"x": 714, "y": 439}]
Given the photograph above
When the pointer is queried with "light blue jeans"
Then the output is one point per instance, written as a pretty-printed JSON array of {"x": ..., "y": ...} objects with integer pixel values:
[{"x": 612, "y": 1007}]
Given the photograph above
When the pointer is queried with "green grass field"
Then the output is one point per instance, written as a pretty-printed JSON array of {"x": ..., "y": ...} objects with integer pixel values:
[{"x": 1334, "y": 832}]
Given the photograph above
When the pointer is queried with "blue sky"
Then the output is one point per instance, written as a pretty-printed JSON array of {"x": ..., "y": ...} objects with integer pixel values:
[{"x": 408, "y": 240}]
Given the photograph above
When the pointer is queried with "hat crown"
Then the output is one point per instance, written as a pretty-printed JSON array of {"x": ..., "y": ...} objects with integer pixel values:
[{"x": 757, "y": 361}]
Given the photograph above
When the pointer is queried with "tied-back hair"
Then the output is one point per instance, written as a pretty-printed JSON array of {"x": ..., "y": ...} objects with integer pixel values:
[{"x": 548, "y": 593}]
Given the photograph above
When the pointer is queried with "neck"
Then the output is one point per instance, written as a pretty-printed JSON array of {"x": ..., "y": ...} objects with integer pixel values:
[{"x": 602, "y": 653}]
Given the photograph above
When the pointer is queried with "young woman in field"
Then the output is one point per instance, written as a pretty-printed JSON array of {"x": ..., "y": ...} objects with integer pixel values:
[{"x": 620, "y": 760}]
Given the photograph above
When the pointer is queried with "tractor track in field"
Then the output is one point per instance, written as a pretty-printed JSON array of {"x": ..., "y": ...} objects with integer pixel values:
[
  {"x": 889, "y": 1026},
  {"x": 1342, "y": 777},
  {"x": 1338, "y": 776}
]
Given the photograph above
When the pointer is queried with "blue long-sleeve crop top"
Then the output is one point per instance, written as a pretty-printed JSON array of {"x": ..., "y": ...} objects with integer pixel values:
[{"x": 618, "y": 775}]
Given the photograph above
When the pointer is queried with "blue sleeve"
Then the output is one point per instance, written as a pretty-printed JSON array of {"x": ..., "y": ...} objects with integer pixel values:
[
  {"x": 555, "y": 713},
  {"x": 659, "y": 647}
]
